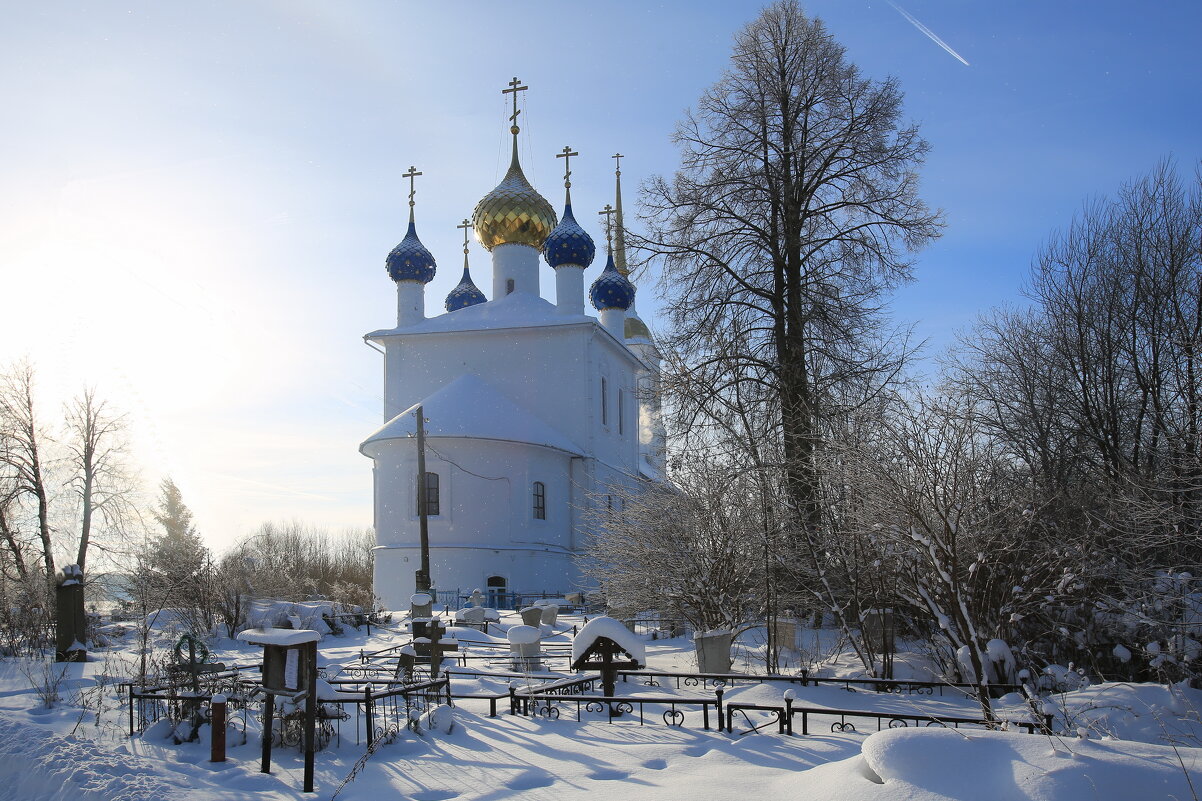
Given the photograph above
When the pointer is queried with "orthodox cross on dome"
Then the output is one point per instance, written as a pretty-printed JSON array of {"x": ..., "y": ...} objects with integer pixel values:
[
  {"x": 411, "y": 175},
  {"x": 515, "y": 86},
  {"x": 608, "y": 213},
  {"x": 618, "y": 157},
  {"x": 466, "y": 225},
  {"x": 566, "y": 155}
]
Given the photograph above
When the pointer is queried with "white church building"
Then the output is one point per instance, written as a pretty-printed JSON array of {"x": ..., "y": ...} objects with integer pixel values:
[{"x": 532, "y": 409}]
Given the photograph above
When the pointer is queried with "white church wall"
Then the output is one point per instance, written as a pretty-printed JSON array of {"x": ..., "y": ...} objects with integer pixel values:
[
  {"x": 486, "y": 516},
  {"x": 614, "y": 424},
  {"x": 554, "y": 371}
]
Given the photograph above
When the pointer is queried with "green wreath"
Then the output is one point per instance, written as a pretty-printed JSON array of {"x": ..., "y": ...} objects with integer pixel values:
[{"x": 199, "y": 648}]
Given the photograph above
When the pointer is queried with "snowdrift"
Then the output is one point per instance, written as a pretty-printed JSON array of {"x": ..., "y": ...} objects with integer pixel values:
[{"x": 935, "y": 764}]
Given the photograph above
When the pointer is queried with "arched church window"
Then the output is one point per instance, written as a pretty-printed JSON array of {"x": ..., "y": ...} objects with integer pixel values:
[
  {"x": 604, "y": 402},
  {"x": 430, "y": 486},
  {"x": 621, "y": 412},
  {"x": 540, "y": 501}
]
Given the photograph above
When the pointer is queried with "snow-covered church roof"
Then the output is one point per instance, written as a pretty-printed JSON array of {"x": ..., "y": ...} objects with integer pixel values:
[
  {"x": 472, "y": 408},
  {"x": 516, "y": 310}
]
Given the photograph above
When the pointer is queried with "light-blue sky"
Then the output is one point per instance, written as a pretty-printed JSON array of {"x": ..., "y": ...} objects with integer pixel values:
[{"x": 196, "y": 198}]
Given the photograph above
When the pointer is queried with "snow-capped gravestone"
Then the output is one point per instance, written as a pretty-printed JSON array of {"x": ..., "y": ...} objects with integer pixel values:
[
  {"x": 606, "y": 645},
  {"x": 532, "y": 616},
  {"x": 72, "y": 622},
  {"x": 524, "y": 647},
  {"x": 550, "y": 612},
  {"x": 713, "y": 651},
  {"x": 476, "y": 615},
  {"x": 421, "y": 605}
]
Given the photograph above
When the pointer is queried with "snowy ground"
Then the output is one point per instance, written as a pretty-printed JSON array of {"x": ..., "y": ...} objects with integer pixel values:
[{"x": 79, "y": 749}]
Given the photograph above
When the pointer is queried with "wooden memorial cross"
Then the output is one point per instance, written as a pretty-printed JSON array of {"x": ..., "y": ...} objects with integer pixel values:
[
  {"x": 194, "y": 664},
  {"x": 435, "y": 648},
  {"x": 602, "y": 655}
]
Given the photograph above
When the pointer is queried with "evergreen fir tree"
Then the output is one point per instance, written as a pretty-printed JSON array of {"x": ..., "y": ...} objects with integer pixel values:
[{"x": 179, "y": 551}]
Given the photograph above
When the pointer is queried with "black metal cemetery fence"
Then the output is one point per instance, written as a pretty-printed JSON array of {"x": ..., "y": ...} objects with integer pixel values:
[
  {"x": 669, "y": 709},
  {"x": 376, "y": 664},
  {"x": 382, "y": 706},
  {"x": 899, "y": 687},
  {"x": 548, "y": 701},
  {"x": 782, "y": 718},
  {"x": 388, "y": 712},
  {"x": 177, "y": 701}
]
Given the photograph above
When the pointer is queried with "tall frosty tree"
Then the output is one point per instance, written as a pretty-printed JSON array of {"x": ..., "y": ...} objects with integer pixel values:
[
  {"x": 179, "y": 550},
  {"x": 791, "y": 218}
]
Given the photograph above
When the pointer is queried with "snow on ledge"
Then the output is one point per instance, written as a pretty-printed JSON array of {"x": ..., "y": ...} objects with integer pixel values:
[
  {"x": 614, "y": 630},
  {"x": 279, "y": 636}
]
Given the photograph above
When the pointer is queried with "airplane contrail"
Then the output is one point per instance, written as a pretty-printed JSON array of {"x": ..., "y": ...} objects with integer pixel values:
[{"x": 929, "y": 33}]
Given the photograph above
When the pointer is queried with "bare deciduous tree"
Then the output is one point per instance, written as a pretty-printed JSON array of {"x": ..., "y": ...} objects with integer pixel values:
[
  {"x": 96, "y": 440},
  {"x": 23, "y": 456},
  {"x": 690, "y": 549},
  {"x": 791, "y": 216}
]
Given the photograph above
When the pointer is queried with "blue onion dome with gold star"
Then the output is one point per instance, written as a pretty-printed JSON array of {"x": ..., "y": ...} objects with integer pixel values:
[
  {"x": 569, "y": 243},
  {"x": 410, "y": 260},
  {"x": 465, "y": 294},
  {"x": 611, "y": 290},
  {"x": 513, "y": 213}
]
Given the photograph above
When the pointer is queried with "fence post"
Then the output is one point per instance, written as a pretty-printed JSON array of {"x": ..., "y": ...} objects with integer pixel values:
[
  {"x": 788, "y": 715},
  {"x": 513, "y": 700},
  {"x": 718, "y": 692},
  {"x": 217, "y": 724},
  {"x": 367, "y": 716},
  {"x": 130, "y": 687},
  {"x": 268, "y": 721}
]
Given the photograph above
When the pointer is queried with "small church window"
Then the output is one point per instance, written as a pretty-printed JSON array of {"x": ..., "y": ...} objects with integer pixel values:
[
  {"x": 604, "y": 402},
  {"x": 496, "y": 591},
  {"x": 509, "y": 287},
  {"x": 540, "y": 501},
  {"x": 431, "y": 488},
  {"x": 621, "y": 412}
]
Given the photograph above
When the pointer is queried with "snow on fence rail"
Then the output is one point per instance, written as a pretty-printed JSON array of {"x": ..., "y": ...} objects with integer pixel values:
[
  {"x": 529, "y": 705},
  {"x": 783, "y": 718},
  {"x": 899, "y": 686}
]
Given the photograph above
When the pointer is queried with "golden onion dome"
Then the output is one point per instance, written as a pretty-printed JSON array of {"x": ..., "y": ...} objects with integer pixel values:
[
  {"x": 636, "y": 328},
  {"x": 513, "y": 213}
]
